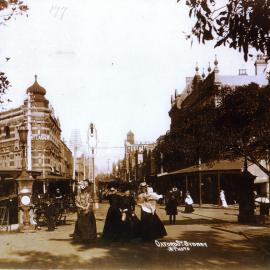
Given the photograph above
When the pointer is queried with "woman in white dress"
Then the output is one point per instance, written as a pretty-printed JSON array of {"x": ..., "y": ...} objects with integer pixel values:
[
  {"x": 223, "y": 199},
  {"x": 151, "y": 225},
  {"x": 188, "y": 204}
]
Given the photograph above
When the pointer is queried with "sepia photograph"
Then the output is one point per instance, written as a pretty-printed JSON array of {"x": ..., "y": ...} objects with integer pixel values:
[{"x": 135, "y": 134}]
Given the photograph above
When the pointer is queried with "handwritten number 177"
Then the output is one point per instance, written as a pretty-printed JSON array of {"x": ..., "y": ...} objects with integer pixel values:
[{"x": 58, "y": 11}]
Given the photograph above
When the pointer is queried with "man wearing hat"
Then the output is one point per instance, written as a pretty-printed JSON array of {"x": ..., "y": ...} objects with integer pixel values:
[{"x": 50, "y": 213}]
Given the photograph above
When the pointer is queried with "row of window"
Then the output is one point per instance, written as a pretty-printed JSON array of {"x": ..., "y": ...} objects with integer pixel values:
[{"x": 6, "y": 131}]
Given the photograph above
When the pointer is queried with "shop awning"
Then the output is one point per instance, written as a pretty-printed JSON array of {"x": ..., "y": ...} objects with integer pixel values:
[
  {"x": 221, "y": 166},
  {"x": 11, "y": 174},
  {"x": 54, "y": 178},
  {"x": 107, "y": 180},
  {"x": 260, "y": 180}
]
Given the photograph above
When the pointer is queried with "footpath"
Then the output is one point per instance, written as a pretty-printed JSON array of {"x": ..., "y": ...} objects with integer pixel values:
[
  {"x": 209, "y": 238},
  {"x": 257, "y": 233}
]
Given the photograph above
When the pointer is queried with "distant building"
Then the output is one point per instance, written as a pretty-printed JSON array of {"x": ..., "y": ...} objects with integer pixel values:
[
  {"x": 136, "y": 164},
  {"x": 83, "y": 163}
]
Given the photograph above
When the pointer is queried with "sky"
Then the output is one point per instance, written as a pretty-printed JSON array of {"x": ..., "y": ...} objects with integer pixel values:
[{"x": 114, "y": 63}]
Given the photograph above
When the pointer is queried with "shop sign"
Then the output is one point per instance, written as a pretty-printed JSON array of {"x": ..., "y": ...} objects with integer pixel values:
[{"x": 40, "y": 137}]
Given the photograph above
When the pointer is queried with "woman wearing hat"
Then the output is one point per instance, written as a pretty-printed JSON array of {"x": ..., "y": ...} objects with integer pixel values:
[
  {"x": 151, "y": 226},
  {"x": 129, "y": 224},
  {"x": 223, "y": 199},
  {"x": 188, "y": 201},
  {"x": 86, "y": 230},
  {"x": 111, "y": 228}
]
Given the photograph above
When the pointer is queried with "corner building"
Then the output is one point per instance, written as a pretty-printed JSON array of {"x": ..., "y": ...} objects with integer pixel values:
[{"x": 48, "y": 158}]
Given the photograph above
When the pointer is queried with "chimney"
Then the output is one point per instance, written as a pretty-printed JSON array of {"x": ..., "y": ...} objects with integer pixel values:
[
  {"x": 260, "y": 64},
  {"x": 242, "y": 71}
]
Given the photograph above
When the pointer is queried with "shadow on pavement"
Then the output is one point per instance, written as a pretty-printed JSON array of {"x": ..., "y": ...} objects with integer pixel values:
[
  {"x": 196, "y": 221},
  {"x": 221, "y": 253}
]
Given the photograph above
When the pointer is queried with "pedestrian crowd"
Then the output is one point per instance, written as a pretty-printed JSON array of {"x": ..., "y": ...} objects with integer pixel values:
[{"x": 121, "y": 223}]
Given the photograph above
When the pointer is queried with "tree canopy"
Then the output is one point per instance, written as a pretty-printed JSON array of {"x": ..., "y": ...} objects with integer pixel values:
[
  {"x": 8, "y": 9},
  {"x": 239, "y": 24},
  {"x": 237, "y": 127}
]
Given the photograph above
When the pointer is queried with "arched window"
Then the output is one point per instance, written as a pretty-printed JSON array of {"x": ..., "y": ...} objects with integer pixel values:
[{"x": 7, "y": 132}]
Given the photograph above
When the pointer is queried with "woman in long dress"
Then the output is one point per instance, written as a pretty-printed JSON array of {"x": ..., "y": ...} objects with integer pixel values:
[
  {"x": 151, "y": 226},
  {"x": 85, "y": 230},
  {"x": 188, "y": 204},
  {"x": 130, "y": 227},
  {"x": 111, "y": 228},
  {"x": 223, "y": 199}
]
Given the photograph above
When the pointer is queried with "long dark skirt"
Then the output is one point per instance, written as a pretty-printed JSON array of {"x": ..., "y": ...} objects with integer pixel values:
[
  {"x": 130, "y": 228},
  {"x": 111, "y": 230},
  {"x": 189, "y": 208},
  {"x": 85, "y": 227},
  {"x": 152, "y": 227}
]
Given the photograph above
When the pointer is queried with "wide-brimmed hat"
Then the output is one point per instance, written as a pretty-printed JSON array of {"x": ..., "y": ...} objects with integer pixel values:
[
  {"x": 83, "y": 184},
  {"x": 143, "y": 184}
]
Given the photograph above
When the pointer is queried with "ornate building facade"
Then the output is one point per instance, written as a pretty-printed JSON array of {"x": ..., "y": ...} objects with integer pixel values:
[
  {"x": 48, "y": 158},
  {"x": 46, "y": 152},
  {"x": 200, "y": 90}
]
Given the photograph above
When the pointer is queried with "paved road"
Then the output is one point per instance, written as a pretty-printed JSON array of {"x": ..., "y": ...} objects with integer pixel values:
[{"x": 222, "y": 244}]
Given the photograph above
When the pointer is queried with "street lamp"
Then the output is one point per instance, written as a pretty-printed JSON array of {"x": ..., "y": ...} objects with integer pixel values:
[
  {"x": 92, "y": 145},
  {"x": 23, "y": 132},
  {"x": 25, "y": 184}
]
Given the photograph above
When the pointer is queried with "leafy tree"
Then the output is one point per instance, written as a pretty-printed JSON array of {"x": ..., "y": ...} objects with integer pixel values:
[
  {"x": 243, "y": 124},
  {"x": 239, "y": 24},
  {"x": 238, "y": 127},
  {"x": 8, "y": 9},
  {"x": 169, "y": 153}
]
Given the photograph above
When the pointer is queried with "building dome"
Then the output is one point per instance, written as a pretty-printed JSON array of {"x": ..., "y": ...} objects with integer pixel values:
[
  {"x": 130, "y": 133},
  {"x": 36, "y": 89}
]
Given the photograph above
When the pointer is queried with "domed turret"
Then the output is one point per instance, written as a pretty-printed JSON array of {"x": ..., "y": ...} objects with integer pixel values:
[
  {"x": 203, "y": 74},
  {"x": 216, "y": 65},
  {"x": 209, "y": 68},
  {"x": 36, "y": 89},
  {"x": 197, "y": 74},
  {"x": 37, "y": 94},
  {"x": 197, "y": 69}
]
